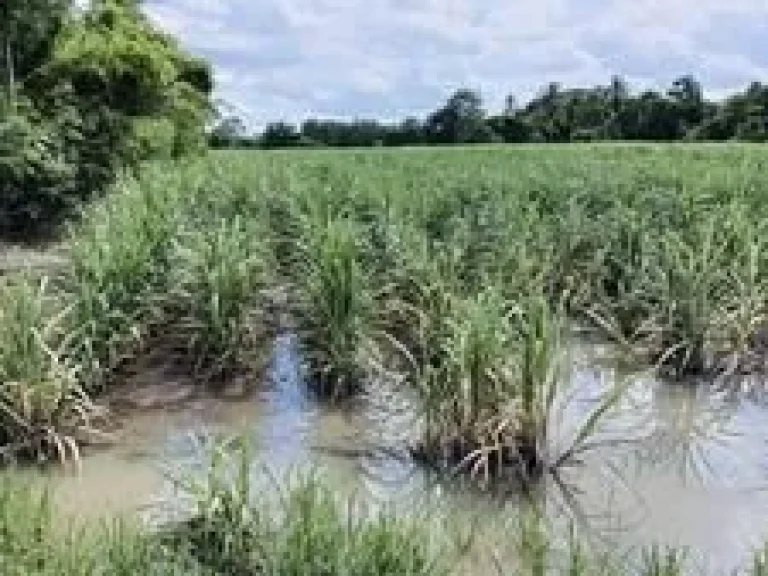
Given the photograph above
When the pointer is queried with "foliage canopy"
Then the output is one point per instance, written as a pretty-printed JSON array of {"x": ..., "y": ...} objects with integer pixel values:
[{"x": 88, "y": 92}]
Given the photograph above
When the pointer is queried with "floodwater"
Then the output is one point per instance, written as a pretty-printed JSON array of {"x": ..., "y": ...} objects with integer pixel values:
[{"x": 694, "y": 475}]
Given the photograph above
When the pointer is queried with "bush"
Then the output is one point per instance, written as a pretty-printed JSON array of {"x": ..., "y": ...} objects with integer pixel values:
[
  {"x": 108, "y": 92},
  {"x": 38, "y": 174}
]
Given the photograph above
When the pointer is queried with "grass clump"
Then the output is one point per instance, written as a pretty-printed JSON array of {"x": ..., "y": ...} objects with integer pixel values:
[
  {"x": 301, "y": 527},
  {"x": 219, "y": 279},
  {"x": 690, "y": 290},
  {"x": 36, "y": 541},
  {"x": 44, "y": 410},
  {"x": 492, "y": 396},
  {"x": 469, "y": 392},
  {"x": 663, "y": 561},
  {"x": 336, "y": 313},
  {"x": 119, "y": 258},
  {"x": 539, "y": 548},
  {"x": 488, "y": 399}
]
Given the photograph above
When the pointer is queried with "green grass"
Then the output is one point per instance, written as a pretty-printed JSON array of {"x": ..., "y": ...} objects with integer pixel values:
[
  {"x": 663, "y": 561},
  {"x": 294, "y": 525},
  {"x": 119, "y": 260},
  {"x": 462, "y": 267},
  {"x": 759, "y": 566},
  {"x": 388, "y": 253},
  {"x": 44, "y": 409},
  {"x": 37, "y": 541},
  {"x": 217, "y": 289},
  {"x": 245, "y": 523},
  {"x": 469, "y": 389},
  {"x": 335, "y": 314}
]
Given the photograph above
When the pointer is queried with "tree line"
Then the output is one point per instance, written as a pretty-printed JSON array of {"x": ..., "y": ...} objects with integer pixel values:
[
  {"x": 86, "y": 92},
  {"x": 556, "y": 114}
]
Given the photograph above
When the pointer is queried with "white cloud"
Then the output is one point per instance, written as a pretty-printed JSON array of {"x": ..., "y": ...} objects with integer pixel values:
[{"x": 290, "y": 58}]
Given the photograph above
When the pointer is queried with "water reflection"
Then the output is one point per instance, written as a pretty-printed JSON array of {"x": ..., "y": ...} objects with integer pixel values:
[{"x": 693, "y": 473}]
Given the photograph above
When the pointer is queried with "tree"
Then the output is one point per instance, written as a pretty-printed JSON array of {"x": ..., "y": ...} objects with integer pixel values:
[
  {"x": 511, "y": 125},
  {"x": 658, "y": 118},
  {"x": 27, "y": 32},
  {"x": 511, "y": 105},
  {"x": 618, "y": 96},
  {"x": 113, "y": 54},
  {"x": 743, "y": 116},
  {"x": 546, "y": 115},
  {"x": 687, "y": 95},
  {"x": 461, "y": 120},
  {"x": 118, "y": 68},
  {"x": 558, "y": 114},
  {"x": 87, "y": 94},
  {"x": 618, "y": 93},
  {"x": 228, "y": 133},
  {"x": 753, "y": 129},
  {"x": 410, "y": 132},
  {"x": 280, "y": 135}
]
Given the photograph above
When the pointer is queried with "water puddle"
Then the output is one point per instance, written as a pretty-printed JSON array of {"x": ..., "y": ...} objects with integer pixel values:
[{"x": 695, "y": 474}]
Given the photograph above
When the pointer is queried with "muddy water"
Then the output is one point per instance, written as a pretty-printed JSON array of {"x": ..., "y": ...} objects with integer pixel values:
[{"x": 694, "y": 475}]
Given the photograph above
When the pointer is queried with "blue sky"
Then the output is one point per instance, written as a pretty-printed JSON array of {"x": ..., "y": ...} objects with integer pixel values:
[{"x": 287, "y": 59}]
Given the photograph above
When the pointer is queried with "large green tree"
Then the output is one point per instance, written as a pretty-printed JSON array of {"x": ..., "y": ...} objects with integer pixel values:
[
  {"x": 688, "y": 97},
  {"x": 87, "y": 92},
  {"x": 28, "y": 29},
  {"x": 461, "y": 120},
  {"x": 115, "y": 59}
]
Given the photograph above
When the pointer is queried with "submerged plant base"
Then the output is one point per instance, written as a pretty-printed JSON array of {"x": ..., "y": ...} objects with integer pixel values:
[
  {"x": 335, "y": 384},
  {"x": 716, "y": 365},
  {"x": 493, "y": 464},
  {"x": 674, "y": 363}
]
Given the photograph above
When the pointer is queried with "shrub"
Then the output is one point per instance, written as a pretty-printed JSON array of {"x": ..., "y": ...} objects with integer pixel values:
[{"x": 38, "y": 174}]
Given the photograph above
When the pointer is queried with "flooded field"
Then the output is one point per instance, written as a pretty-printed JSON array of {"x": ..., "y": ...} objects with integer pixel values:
[
  {"x": 692, "y": 475},
  {"x": 387, "y": 316}
]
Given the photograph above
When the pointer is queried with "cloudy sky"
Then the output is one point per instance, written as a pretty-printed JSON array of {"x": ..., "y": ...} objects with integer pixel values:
[{"x": 287, "y": 59}]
